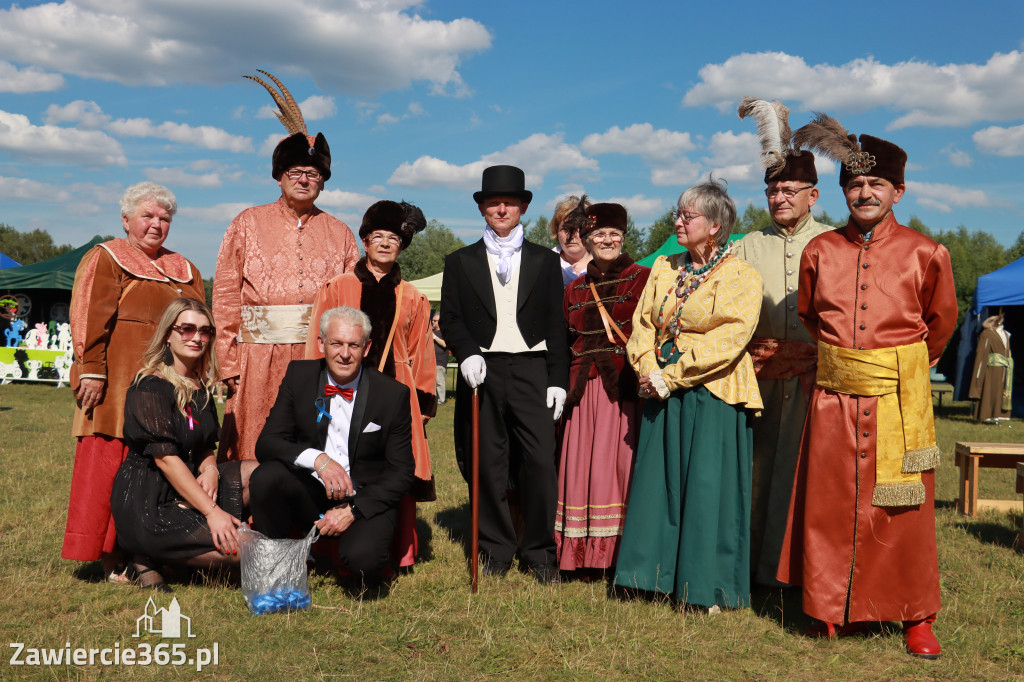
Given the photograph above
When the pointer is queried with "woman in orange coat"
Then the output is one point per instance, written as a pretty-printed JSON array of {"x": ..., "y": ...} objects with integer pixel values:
[{"x": 401, "y": 342}]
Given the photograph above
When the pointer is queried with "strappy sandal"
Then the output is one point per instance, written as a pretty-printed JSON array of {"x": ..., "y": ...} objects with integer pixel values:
[{"x": 159, "y": 586}]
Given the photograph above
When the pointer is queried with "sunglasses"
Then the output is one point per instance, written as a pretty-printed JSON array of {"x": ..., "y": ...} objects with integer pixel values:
[{"x": 187, "y": 331}]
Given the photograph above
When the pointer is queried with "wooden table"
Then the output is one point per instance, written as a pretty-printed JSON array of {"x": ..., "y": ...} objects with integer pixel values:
[
  {"x": 970, "y": 458},
  {"x": 941, "y": 388}
]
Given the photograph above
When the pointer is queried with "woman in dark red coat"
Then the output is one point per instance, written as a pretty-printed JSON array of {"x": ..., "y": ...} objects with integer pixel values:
[{"x": 602, "y": 407}]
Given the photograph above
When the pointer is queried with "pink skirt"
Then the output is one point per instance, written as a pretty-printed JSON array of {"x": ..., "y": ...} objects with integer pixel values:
[{"x": 595, "y": 469}]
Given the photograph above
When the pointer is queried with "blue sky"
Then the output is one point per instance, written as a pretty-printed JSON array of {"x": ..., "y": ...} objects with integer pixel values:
[{"x": 630, "y": 102}]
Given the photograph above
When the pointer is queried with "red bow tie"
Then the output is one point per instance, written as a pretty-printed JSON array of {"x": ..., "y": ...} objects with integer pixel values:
[{"x": 330, "y": 390}]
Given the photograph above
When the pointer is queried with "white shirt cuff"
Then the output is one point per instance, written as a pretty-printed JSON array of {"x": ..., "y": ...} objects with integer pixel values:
[{"x": 307, "y": 458}]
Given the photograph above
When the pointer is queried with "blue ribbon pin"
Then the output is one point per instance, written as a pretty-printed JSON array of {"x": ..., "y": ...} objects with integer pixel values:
[{"x": 321, "y": 406}]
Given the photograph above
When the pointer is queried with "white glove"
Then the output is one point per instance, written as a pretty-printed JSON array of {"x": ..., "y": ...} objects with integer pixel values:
[
  {"x": 556, "y": 399},
  {"x": 473, "y": 369}
]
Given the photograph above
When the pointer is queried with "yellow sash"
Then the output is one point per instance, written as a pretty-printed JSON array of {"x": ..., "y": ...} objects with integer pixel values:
[
  {"x": 905, "y": 441},
  {"x": 274, "y": 324}
]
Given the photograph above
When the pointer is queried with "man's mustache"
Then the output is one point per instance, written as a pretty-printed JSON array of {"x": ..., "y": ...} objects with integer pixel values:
[{"x": 866, "y": 202}]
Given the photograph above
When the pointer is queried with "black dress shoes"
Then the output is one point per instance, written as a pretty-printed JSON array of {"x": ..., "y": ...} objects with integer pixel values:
[
  {"x": 546, "y": 575},
  {"x": 496, "y": 568}
]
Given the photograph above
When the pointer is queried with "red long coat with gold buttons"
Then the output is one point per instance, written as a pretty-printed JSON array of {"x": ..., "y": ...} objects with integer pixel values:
[{"x": 858, "y": 562}]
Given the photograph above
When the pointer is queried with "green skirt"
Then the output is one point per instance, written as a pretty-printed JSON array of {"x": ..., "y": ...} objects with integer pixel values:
[{"x": 687, "y": 530}]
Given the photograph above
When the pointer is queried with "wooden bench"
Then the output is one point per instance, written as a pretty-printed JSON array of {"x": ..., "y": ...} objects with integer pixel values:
[
  {"x": 970, "y": 457},
  {"x": 1020, "y": 489}
]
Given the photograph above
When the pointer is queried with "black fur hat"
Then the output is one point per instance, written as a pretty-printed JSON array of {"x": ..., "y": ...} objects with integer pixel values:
[{"x": 403, "y": 219}]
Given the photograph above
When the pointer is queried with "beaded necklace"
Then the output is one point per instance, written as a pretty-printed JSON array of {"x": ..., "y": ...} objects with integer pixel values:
[{"x": 687, "y": 282}]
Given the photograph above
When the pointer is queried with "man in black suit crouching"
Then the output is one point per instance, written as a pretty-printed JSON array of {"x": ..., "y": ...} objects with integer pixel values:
[{"x": 336, "y": 449}]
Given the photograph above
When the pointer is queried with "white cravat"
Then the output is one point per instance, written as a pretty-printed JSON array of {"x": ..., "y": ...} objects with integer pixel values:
[{"x": 505, "y": 249}]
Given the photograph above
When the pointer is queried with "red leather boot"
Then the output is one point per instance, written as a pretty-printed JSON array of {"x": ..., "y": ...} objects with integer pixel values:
[{"x": 919, "y": 638}]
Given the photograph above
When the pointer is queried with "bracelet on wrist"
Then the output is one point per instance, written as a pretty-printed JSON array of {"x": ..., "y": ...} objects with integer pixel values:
[
  {"x": 211, "y": 509},
  {"x": 324, "y": 465}
]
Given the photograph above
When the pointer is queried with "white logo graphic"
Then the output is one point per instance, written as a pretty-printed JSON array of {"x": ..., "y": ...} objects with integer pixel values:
[{"x": 164, "y": 622}]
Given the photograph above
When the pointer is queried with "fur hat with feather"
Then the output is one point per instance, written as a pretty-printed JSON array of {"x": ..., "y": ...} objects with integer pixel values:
[
  {"x": 870, "y": 156},
  {"x": 781, "y": 161},
  {"x": 299, "y": 148},
  {"x": 403, "y": 219}
]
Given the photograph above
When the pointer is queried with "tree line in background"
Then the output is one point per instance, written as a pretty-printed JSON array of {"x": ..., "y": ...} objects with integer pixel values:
[
  {"x": 29, "y": 247},
  {"x": 973, "y": 252}
]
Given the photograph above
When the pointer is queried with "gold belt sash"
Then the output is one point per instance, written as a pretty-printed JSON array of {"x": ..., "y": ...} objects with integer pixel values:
[
  {"x": 905, "y": 439},
  {"x": 274, "y": 324}
]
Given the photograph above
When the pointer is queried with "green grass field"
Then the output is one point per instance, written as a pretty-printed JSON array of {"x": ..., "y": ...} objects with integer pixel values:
[{"x": 430, "y": 627}]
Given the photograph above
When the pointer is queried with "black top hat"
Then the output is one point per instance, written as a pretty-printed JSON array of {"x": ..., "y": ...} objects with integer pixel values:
[{"x": 503, "y": 181}]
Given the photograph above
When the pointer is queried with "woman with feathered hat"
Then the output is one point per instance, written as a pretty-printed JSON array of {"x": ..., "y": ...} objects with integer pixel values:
[{"x": 401, "y": 341}]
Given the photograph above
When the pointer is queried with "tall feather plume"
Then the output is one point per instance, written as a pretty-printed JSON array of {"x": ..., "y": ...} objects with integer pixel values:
[
  {"x": 828, "y": 137},
  {"x": 772, "y": 120},
  {"x": 288, "y": 112}
]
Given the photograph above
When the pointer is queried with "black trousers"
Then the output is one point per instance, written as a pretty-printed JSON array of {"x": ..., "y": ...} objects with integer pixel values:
[
  {"x": 283, "y": 497},
  {"x": 514, "y": 417}
]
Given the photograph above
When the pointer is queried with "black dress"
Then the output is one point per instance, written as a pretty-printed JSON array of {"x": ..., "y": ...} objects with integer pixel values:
[{"x": 150, "y": 516}]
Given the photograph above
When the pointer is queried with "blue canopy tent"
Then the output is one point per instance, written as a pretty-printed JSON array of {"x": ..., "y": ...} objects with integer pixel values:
[
  {"x": 7, "y": 262},
  {"x": 1003, "y": 288}
]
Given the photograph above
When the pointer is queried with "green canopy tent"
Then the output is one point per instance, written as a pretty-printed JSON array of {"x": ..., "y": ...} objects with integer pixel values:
[
  {"x": 44, "y": 288},
  {"x": 430, "y": 287},
  {"x": 54, "y": 273},
  {"x": 671, "y": 247}
]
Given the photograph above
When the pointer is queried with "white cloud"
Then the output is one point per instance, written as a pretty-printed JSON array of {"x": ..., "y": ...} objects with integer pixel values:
[
  {"x": 159, "y": 42},
  {"x": 336, "y": 198},
  {"x": 659, "y": 145},
  {"x": 926, "y": 94},
  {"x": 271, "y": 141},
  {"x": 386, "y": 119},
  {"x": 177, "y": 177},
  {"x": 314, "y": 108},
  {"x": 55, "y": 144},
  {"x": 206, "y": 137},
  {"x": 428, "y": 171},
  {"x": 823, "y": 166},
  {"x": 89, "y": 115},
  {"x": 681, "y": 172},
  {"x": 29, "y": 79},
  {"x": 85, "y": 114},
  {"x": 1001, "y": 141},
  {"x": 945, "y": 198},
  {"x": 957, "y": 157},
  {"x": 221, "y": 214},
  {"x": 639, "y": 206},
  {"x": 31, "y": 190},
  {"x": 537, "y": 154}
]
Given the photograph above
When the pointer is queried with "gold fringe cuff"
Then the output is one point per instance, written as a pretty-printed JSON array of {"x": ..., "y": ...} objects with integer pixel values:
[
  {"x": 922, "y": 459},
  {"x": 898, "y": 494}
]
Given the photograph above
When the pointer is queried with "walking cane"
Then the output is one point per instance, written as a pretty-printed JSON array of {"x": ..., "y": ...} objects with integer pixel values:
[{"x": 475, "y": 497}]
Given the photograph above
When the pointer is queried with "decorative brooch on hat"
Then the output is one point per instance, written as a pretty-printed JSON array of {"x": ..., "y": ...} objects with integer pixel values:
[{"x": 828, "y": 136}]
